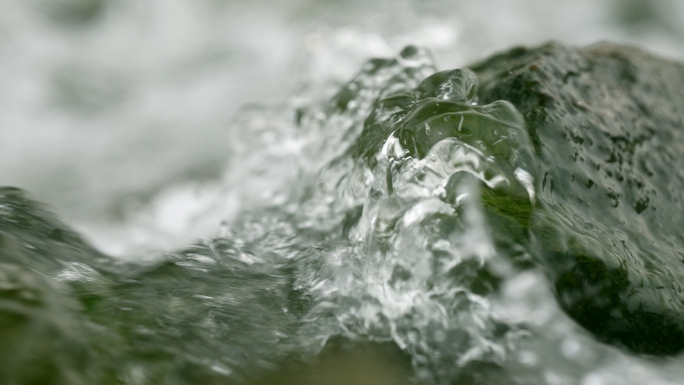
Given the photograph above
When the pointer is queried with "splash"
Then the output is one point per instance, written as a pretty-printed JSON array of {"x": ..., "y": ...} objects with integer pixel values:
[{"x": 395, "y": 213}]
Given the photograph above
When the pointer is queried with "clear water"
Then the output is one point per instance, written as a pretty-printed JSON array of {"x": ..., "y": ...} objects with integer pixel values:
[{"x": 249, "y": 237}]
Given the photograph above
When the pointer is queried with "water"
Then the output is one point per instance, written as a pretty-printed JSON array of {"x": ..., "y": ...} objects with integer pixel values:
[{"x": 313, "y": 231}]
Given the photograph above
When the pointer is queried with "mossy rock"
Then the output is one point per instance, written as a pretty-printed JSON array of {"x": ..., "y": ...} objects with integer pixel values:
[{"x": 607, "y": 127}]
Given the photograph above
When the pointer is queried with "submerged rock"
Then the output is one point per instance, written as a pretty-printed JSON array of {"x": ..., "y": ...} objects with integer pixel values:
[{"x": 607, "y": 126}]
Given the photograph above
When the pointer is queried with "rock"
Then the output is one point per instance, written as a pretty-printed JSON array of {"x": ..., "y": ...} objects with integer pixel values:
[{"x": 606, "y": 123}]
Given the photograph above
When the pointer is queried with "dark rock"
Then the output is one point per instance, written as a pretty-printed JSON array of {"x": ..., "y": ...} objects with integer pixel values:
[{"x": 606, "y": 123}]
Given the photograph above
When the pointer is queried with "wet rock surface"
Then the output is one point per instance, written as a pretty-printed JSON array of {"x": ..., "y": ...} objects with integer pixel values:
[{"x": 607, "y": 126}]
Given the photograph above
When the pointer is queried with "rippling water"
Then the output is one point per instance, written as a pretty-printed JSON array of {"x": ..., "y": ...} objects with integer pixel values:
[{"x": 255, "y": 244}]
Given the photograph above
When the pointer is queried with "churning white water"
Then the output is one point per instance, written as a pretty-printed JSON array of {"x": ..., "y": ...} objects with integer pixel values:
[
  {"x": 154, "y": 125},
  {"x": 113, "y": 111}
]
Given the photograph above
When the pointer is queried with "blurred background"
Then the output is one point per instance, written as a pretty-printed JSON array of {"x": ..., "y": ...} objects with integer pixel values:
[{"x": 119, "y": 113}]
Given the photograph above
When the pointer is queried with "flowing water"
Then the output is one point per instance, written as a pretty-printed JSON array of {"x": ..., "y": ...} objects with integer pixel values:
[{"x": 251, "y": 243}]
